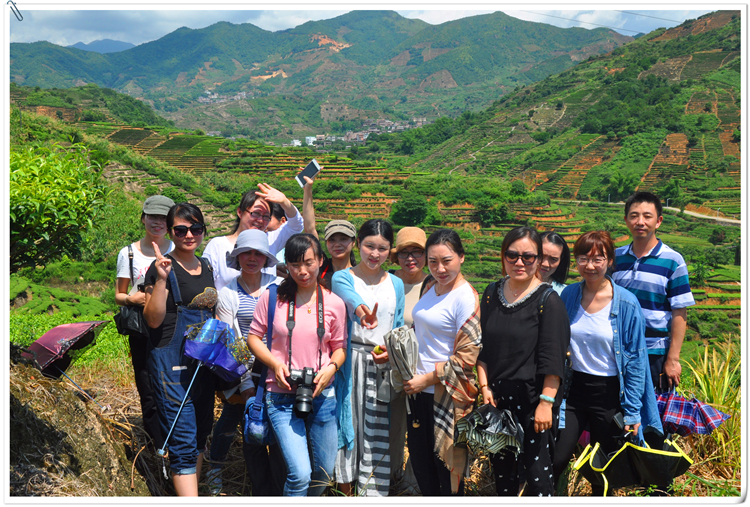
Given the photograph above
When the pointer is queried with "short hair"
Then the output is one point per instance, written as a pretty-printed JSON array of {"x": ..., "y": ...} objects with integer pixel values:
[
  {"x": 519, "y": 233},
  {"x": 294, "y": 251},
  {"x": 247, "y": 201},
  {"x": 561, "y": 273},
  {"x": 445, "y": 237},
  {"x": 639, "y": 197},
  {"x": 376, "y": 227},
  {"x": 185, "y": 211},
  {"x": 595, "y": 241}
]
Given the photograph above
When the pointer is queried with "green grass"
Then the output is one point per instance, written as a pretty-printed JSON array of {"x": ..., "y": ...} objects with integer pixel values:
[{"x": 674, "y": 239}]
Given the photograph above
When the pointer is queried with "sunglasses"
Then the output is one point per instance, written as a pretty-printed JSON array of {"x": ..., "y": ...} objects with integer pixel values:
[
  {"x": 196, "y": 230},
  {"x": 527, "y": 259}
]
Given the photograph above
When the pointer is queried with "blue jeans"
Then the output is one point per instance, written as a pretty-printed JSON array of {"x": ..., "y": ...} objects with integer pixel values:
[
  {"x": 171, "y": 373},
  {"x": 265, "y": 466},
  {"x": 309, "y": 445}
]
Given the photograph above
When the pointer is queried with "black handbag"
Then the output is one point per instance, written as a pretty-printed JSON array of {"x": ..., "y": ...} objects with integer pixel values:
[{"x": 129, "y": 320}]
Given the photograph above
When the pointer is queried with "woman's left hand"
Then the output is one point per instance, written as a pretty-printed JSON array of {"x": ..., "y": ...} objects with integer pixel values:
[
  {"x": 543, "y": 416},
  {"x": 417, "y": 384},
  {"x": 323, "y": 378},
  {"x": 633, "y": 428}
]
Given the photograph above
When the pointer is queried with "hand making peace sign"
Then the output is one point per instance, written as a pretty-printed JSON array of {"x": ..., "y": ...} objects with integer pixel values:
[{"x": 162, "y": 264}]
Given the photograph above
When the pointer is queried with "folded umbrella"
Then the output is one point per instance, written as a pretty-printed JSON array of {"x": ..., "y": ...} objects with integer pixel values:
[
  {"x": 632, "y": 465},
  {"x": 403, "y": 352},
  {"x": 489, "y": 429},
  {"x": 684, "y": 417},
  {"x": 214, "y": 343}
]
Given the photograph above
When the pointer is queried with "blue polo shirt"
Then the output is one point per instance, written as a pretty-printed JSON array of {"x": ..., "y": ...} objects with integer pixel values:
[{"x": 660, "y": 281}]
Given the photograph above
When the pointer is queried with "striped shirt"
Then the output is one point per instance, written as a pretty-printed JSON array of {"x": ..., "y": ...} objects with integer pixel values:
[
  {"x": 246, "y": 309},
  {"x": 659, "y": 280}
]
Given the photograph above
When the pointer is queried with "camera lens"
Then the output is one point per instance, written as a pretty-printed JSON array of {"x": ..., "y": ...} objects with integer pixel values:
[{"x": 303, "y": 401}]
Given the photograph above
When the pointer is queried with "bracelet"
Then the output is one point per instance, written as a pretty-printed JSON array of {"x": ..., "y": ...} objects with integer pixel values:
[
  {"x": 544, "y": 397},
  {"x": 334, "y": 363},
  {"x": 482, "y": 386}
]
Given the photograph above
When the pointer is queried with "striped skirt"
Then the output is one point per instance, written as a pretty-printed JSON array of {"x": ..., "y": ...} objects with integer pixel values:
[{"x": 368, "y": 462}]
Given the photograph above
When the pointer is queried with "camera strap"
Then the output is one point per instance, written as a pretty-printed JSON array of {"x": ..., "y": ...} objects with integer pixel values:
[{"x": 321, "y": 326}]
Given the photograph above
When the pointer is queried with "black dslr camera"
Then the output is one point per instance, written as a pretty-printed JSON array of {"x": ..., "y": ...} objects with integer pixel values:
[{"x": 303, "y": 379}]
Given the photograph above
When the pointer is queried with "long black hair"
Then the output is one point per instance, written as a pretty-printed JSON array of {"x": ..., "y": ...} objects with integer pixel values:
[
  {"x": 295, "y": 250},
  {"x": 445, "y": 237},
  {"x": 185, "y": 211},
  {"x": 561, "y": 273},
  {"x": 520, "y": 233},
  {"x": 376, "y": 227}
]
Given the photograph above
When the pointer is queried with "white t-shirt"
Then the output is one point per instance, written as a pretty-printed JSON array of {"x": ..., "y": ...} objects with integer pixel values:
[
  {"x": 217, "y": 249},
  {"x": 592, "y": 347},
  {"x": 384, "y": 294},
  {"x": 437, "y": 320},
  {"x": 141, "y": 263}
]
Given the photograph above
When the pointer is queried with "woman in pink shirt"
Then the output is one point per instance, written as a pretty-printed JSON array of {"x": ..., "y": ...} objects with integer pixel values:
[{"x": 308, "y": 347}]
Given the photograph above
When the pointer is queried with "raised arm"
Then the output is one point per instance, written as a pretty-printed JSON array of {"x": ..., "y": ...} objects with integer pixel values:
[{"x": 308, "y": 209}]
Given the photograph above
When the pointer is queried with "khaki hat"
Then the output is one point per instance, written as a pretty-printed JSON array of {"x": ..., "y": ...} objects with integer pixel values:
[
  {"x": 408, "y": 236},
  {"x": 342, "y": 226},
  {"x": 157, "y": 205}
]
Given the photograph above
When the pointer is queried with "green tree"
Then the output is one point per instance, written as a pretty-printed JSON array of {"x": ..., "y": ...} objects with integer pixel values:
[
  {"x": 717, "y": 236},
  {"x": 699, "y": 274},
  {"x": 53, "y": 192},
  {"x": 412, "y": 209},
  {"x": 491, "y": 212}
]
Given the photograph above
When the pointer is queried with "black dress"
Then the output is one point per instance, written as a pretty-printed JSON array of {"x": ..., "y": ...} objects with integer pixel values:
[{"x": 521, "y": 344}]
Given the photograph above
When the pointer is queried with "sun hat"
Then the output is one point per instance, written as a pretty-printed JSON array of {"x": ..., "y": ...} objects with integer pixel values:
[
  {"x": 342, "y": 226},
  {"x": 251, "y": 239},
  {"x": 408, "y": 236},
  {"x": 157, "y": 205}
]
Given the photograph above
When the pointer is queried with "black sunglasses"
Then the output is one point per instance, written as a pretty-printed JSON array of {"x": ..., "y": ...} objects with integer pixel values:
[
  {"x": 181, "y": 230},
  {"x": 527, "y": 259}
]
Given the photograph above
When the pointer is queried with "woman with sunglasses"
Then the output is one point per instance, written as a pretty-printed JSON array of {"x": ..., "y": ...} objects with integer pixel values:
[
  {"x": 375, "y": 304},
  {"x": 555, "y": 260},
  {"x": 525, "y": 335},
  {"x": 254, "y": 212},
  {"x": 180, "y": 293},
  {"x": 132, "y": 263},
  {"x": 309, "y": 331},
  {"x": 611, "y": 371},
  {"x": 446, "y": 322}
]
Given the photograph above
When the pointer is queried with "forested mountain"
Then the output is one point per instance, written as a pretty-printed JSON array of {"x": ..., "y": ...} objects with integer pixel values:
[{"x": 361, "y": 63}]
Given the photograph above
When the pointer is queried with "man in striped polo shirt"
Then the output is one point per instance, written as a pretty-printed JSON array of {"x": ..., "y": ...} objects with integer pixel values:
[{"x": 658, "y": 277}]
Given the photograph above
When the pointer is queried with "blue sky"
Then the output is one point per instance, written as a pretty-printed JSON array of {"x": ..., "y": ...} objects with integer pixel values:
[{"x": 66, "y": 27}]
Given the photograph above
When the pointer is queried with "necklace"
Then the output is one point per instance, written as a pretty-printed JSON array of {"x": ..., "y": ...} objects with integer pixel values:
[
  {"x": 312, "y": 302},
  {"x": 245, "y": 286},
  {"x": 520, "y": 291}
]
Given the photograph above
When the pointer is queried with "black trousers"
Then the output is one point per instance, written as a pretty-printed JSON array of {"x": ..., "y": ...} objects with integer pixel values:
[
  {"x": 139, "y": 355},
  {"x": 534, "y": 465},
  {"x": 433, "y": 477},
  {"x": 593, "y": 400}
]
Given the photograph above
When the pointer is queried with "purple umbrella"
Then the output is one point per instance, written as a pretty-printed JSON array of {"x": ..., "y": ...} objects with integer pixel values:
[
  {"x": 51, "y": 350},
  {"x": 684, "y": 417}
]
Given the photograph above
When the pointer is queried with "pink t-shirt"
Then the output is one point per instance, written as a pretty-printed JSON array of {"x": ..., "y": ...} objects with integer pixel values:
[{"x": 304, "y": 336}]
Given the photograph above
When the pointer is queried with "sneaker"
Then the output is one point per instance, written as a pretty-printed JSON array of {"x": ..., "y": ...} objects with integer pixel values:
[{"x": 213, "y": 479}]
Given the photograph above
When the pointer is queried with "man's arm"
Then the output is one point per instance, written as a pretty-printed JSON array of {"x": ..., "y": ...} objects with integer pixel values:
[{"x": 672, "y": 366}]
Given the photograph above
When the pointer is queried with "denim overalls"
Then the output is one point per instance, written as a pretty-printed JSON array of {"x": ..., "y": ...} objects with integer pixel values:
[{"x": 171, "y": 372}]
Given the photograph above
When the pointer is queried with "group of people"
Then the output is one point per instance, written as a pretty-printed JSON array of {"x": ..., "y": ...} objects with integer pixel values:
[{"x": 323, "y": 327}]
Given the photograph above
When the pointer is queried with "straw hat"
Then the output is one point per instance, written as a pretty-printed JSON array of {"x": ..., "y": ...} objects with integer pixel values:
[{"x": 408, "y": 236}]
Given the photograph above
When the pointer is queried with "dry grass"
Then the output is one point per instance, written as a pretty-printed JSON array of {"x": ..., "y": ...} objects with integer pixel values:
[{"x": 716, "y": 469}]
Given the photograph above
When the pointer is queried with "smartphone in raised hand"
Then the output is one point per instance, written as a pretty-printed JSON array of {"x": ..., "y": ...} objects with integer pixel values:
[{"x": 310, "y": 171}]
